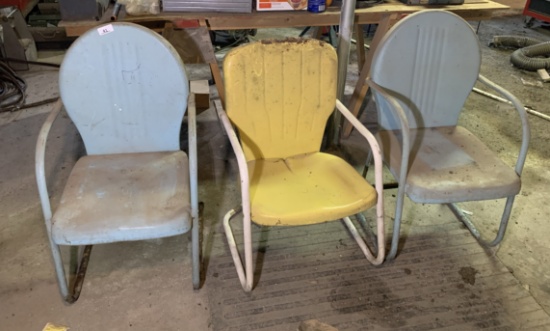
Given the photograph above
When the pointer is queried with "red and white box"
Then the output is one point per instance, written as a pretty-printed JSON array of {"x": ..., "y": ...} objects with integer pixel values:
[{"x": 266, "y": 5}]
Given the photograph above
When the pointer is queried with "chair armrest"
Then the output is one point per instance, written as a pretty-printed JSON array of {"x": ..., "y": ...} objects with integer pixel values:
[
  {"x": 193, "y": 167},
  {"x": 395, "y": 106},
  {"x": 193, "y": 186},
  {"x": 378, "y": 181},
  {"x": 40, "y": 160},
  {"x": 246, "y": 274},
  {"x": 375, "y": 147},
  {"x": 405, "y": 142},
  {"x": 525, "y": 129},
  {"x": 239, "y": 153}
]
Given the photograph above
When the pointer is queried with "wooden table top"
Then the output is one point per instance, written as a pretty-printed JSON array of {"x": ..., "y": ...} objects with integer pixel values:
[{"x": 471, "y": 10}]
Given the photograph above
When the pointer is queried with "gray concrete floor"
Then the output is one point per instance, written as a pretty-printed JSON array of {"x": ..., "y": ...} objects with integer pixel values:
[{"x": 147, "y": 286}]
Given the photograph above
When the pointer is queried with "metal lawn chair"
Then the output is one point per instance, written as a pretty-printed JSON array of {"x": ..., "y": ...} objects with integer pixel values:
[
  {"x": 126, "y": 90},
  {"x": 279, "y": 96},
  {"x": 421, "y": 74}
]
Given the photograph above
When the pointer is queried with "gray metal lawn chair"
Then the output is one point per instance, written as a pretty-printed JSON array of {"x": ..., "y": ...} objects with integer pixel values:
[
  {"x": 126, "y": 90},
  {"x": 421, "y": 74}
]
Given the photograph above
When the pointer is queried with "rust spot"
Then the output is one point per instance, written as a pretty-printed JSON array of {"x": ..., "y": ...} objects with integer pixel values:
[{"x": 286, "y": 40}]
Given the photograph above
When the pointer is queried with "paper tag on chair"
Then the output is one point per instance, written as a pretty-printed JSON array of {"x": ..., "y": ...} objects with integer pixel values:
[{"x": 105, "y": 29}]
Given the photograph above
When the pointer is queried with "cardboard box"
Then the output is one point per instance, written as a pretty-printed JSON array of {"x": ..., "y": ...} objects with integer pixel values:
[
  {"x": 232, "y": 6},
  {"x": 433, "y": 2},
  {"x": 264, "y": 5}
]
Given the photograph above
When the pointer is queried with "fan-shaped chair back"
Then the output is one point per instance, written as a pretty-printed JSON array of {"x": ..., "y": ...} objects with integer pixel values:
[
  {"x": 429, "y": 62},
  {"x": 280, "y": 95},
  {"x": 126, "y": 90}
]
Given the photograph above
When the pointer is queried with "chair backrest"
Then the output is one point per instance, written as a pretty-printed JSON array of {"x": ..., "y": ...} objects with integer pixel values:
[
  {"x": 430, "y": 61},
  {"x": 126, "y": 90},
  {"x": 280, "y": 95}
]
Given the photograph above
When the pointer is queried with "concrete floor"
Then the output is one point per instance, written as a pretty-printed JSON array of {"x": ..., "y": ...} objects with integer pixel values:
[{"x": 147, "y": 286}]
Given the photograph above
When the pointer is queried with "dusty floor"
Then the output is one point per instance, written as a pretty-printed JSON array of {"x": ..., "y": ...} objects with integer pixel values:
[{"x": 147, "y": 285}]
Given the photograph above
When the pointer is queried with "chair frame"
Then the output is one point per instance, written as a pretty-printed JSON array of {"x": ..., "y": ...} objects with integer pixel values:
[
  {"x": 70, "y": 291},
  {"x": 522, "y": 154},
  {"x": 246, "y": 273}
]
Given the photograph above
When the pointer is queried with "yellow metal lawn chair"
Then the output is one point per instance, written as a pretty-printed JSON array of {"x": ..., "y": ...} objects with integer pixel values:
[{"x": 279, "y": 96}]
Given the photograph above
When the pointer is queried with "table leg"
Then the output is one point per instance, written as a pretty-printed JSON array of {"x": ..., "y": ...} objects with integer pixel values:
[
  {"x": 360, "y": 46},
  {"x": 214, "y": 68},
  {"x": 361, "y": 88}
]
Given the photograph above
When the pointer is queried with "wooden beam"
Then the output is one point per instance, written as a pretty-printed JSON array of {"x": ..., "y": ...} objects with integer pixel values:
[
  {"x": 211, "y": 60},
  {"x": 202, "y": 94},
  {"x": 360, "y": 46}
]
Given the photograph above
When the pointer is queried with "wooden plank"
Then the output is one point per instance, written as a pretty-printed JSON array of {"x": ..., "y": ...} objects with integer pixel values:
[
  {"x": 77, "y": 28},
  {"x": 202, "y": 94},
  {"x": 216, "y": 73},
  {"x": 543, "y": 74}
]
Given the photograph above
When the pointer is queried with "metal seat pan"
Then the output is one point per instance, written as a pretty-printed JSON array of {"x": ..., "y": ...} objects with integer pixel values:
[{"x": 150, "y": 199}]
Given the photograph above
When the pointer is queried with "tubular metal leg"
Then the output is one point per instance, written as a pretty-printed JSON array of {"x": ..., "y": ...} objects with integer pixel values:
[
  {"x": 469, "y": 224},
  {"x": 368, "y": 162},
  {"x": 59, "y": 270},
  {"x": 246, "y": 277},
  {"x": 73, "y": 264},
  {"x": 79, "y": 280},
  {"x": 397, "y": 222},
  {"x": 195, "y": 247},
  {"x": 398, "y": 209},
  {"x": 71, "y": 293},
  {"x": 461, "y": 217},
  {"x": 369, "y": 234},
  {"x": 194, "y": 191},
  {"x": 381, "y": 241}
]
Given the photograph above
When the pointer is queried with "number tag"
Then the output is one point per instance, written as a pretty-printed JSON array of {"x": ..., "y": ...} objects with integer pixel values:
[{"x": 105, "y": 29}]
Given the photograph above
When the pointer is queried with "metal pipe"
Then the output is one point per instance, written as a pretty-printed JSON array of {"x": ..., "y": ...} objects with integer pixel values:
[
  {"x": 344, "y": 44},
  {"x": 495, "y": 97},
  {"x": 79, "y": 280},
  {"x": 116, "y": 11},
  {"x": 193, "y": 171}
]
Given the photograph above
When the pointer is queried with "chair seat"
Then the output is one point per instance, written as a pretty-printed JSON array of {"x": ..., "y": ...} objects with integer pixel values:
[
  {"x": 452, "y": 165},
  {"x": 306, "y": 189},
  {"x": 150, "y": 199}
]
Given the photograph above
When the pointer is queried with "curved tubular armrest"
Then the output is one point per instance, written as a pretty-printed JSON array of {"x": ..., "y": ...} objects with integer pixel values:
[
  {"x": 379, "y": 185},
  {"x": 246, "y": 281},
  {"x": 400, "y": 113},
  {"x": 526, "y": 131},
  {"x": 395, "y": 106},
  {"x": 39, "y": 164},
  {"x": 239, "y": 153},
  {"x": 193, "y": 169},
  {"x": 193, "y": 174}
]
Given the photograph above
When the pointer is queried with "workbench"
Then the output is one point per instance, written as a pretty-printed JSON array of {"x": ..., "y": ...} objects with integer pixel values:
[
  {"x": 385, "y": 15},
  {"x": 473, "y": 10}
]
